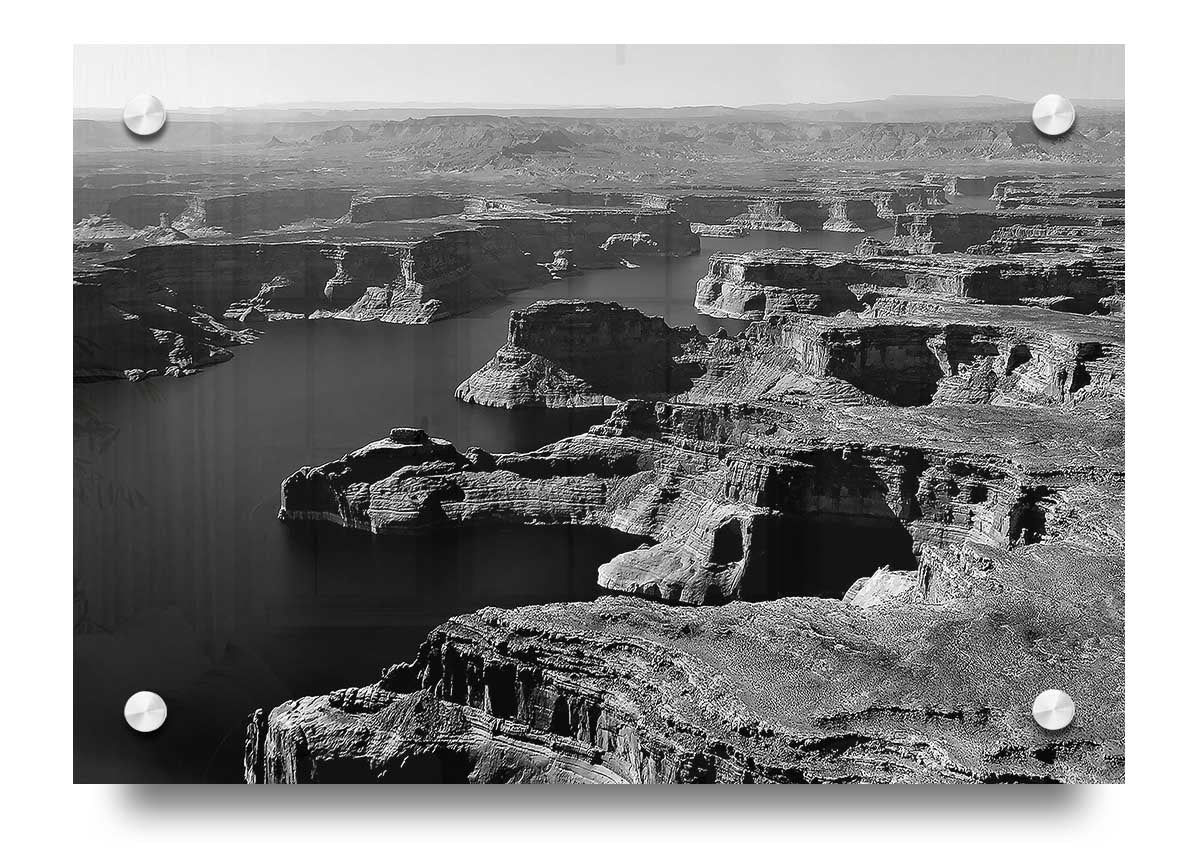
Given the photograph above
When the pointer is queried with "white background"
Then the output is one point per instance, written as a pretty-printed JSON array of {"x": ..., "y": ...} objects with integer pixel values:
[{"x": 1145, "y": 816}]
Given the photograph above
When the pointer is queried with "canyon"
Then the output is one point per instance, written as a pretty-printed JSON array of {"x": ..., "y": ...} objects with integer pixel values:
[{"x": 846, "y": 512}]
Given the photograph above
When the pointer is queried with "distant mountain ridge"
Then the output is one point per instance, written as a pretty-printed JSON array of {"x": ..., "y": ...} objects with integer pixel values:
[
  {"x": 973, "y": 129},
  {"x": 896, "y": 108}
]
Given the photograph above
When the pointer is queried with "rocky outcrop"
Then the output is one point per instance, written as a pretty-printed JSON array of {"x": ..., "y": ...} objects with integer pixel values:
[
  {"x": 434, "y": 269},
  {"x": 100, "y": 228},
  {"x": 626, "y": 245},
  {"x": 733, "y": 500},
  {"x": 418, "y": 282},
  {"x": 1106, "y": 243},
  {"x": 840, "y": 495},
  {"x": 161, "y": 234},
  {"x": 582, "y": 354},
  {"x": 1075, "y": 193},
  {"x": 1017, "y": 545},
  {"x": 794, "y": 691},
  {"x": 827, "y": 209},
  {"x": 906, "y": 349},
  {"x": 709, "y": 210},
  {"x": 124, "y": 332},
  {"x": 943, "y": 232},
  {"x": 252, "y": 211},
  {"x": 758, "y": 284},
  {"x": 1013, "y": 359},
  {"x": 596, "y": 237},
  {"x": 139, "y": 197}
]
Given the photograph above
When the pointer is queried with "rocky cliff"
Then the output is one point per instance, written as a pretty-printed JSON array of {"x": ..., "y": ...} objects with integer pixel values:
[
  {"x": 904, "y": 348},
  {"x": 722, "y": 493},
  {"x": 125, "y": 332},
  {"x": 444, "y": 273},
  {"x": 1010, "y": 545},
  {"x": 757, "y": 284},
  {"x": 565, "y": 353},
  {"x": 926, "y": 232},
  {"x": 835, "y": 209},
  {"x": 252, "y": 211},
  {"x": 794, "y": 691}
]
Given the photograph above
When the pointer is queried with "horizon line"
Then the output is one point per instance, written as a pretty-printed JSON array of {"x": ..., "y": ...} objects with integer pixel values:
[{"x": 374, "y": 105}]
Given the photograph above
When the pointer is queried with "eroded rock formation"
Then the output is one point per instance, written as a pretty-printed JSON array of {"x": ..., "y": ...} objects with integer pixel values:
[
  {"x": 794, "y": 691},
  {"x": 582, "y": 354},
  {"x": 758, "y": 284},
  {"x": 875, "y": 524},
  {"x": 1014, "y": 543}
]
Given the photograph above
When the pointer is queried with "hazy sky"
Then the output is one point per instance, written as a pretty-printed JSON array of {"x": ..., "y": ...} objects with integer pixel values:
[{"x": 543, "y": 75}]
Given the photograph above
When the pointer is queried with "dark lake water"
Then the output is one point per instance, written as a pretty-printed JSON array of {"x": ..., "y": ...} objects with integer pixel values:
[{"x": 188, "y": 585}]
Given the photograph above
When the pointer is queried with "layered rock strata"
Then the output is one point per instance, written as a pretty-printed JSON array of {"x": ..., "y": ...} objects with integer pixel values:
[
  {"x": 623, "y": 691},
  {"x": 904, "y": 348},
  {"x": 253, "y": 211},
  {"x": 565, "y": 353},
  {"x": 925, "y": 232},
  {"x": 722, "y": 492},
  {"x": 1018, "y": 550},
  {"x": 832, "y": 209},
  {"x": 1084, "y": 194},
  {"x": 757, "y": 284},
  {"x": 396, "y": 282}
]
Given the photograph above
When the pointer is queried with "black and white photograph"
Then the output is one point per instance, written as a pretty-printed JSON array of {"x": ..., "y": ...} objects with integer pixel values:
[{"x": 592, "y": 414}]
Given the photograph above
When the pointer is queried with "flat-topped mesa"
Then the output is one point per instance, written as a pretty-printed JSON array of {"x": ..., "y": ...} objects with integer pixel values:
[
  {"x": 448, "y": 273},
  {"x": 134, "y": 203},
  {"x": 565, "y": 353},
  {"x": 894, "y": 201},
  {"x": 596, "y": 238},
  {"x": 737, "y": 502},
  {"x": 835, "y": 213},
  {"x": 907, "y": 349},
  {"x": 1062, "y": 282},
  {"x": 414, "y": 281},
  {"x": 252, "y": 211},
  {"x": 1104, "y": 242},
  {"x": 1090, "y": 193},
  {"x": 852, "y": 210},
  {"x": 942, "y": 232},
  {"x": 755, "y": 284},
  {"x": 759, "y": 284},
  {"x": 404, "y": 207}
]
